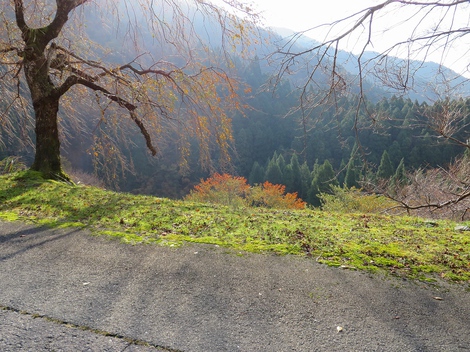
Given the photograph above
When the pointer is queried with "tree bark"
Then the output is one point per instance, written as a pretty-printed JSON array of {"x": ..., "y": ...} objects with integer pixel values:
[
  {"x": 47, "y": 158},
  {"x": 45, "y": 96},
  {"x": 46, "y": 107}
]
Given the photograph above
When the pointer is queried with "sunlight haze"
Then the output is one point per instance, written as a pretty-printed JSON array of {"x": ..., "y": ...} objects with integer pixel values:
[{"x": 395, "y": 25}]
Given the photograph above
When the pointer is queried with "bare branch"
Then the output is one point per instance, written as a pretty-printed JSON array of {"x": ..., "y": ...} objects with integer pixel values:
[
  {"x": 439, "y": 192},
  {"x": 168, "y": 83},
  {"x": 110, "y": 71},
  {"x": 123, "y": 103},
  {"x": 9, "y": 49},
  {"x": 64, "y": 7},
  {"x": 362, "y": 21},
  {"x": 19, "y": 13}
]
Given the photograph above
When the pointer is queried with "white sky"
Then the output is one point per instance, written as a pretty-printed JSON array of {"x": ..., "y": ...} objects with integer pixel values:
[{"x": 300, "y": 15}]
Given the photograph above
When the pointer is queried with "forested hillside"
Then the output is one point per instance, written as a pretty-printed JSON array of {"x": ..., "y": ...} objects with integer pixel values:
[
  {"x": 339, "y": 142},
  {"x": 270, "y": 144}
]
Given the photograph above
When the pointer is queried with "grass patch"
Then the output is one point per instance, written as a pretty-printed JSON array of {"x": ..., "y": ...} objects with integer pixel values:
[{"x": 403, "y": 246}]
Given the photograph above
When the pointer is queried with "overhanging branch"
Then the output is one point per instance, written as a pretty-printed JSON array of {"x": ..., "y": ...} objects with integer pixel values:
[
  {"x": 125, "y": 104},
  {"x": 64, "y": 7},
  {"x": 73, "y": 80},
  {"x": 19, "y": 15},
  {"x": 111, "y": 72}
]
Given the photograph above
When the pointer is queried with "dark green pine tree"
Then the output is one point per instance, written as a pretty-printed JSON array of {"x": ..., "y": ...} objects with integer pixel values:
[
  {"x": 306, "y": 181},
  {"x": 288, "y": 178},
  {"x": 315, "y": 168},
  {"x": 256, "y": 174},
  {"x": 394, "y": 152},
  {"x": 282, "y": 164},
  {"x": 385, "y": 170},
  {"x": 342, "y": 174},
  {"x": 295, "y": 184},
  {"x": 273, "y": 172},
  {"x": 350, "y": 180},
  {"x": 399, "y": 178},
  {"x": 352, "y": 176},
  {"x": 254, "y": 76},
  {"x": 323, "y": 179}
]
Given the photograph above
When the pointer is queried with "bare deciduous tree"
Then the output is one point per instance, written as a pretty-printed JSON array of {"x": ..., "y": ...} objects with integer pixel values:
[
  {"x": 434, "y": 30},
  {"x": 426, "y": 29},
  {"x": 435, "y": 193},
  {"x": 63, "y": 50}
]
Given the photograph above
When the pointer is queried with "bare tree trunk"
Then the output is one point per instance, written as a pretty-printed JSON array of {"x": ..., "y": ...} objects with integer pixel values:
[
  {"x": 46, "y": 107},
  {"x": 47, "y": 158}
]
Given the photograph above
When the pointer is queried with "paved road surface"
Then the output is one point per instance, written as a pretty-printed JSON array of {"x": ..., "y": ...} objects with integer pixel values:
[{"x": 65, "y": 290}]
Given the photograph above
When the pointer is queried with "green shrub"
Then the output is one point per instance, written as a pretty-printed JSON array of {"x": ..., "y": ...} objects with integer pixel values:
[{"x": 353, "y": 200}]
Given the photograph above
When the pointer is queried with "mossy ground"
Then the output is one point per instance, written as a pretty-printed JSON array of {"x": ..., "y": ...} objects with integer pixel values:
[{"x": 406, "y": 246}]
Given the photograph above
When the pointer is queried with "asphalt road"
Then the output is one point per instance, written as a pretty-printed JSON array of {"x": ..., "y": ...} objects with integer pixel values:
[{"x": 65, "y": 290}]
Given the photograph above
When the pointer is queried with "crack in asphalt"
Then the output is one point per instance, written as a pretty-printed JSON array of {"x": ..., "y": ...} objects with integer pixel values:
[{"x": 67, "y": 324}]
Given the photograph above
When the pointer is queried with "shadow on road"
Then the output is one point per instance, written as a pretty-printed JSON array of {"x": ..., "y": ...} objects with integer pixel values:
[{"x": 27, "y": 238}]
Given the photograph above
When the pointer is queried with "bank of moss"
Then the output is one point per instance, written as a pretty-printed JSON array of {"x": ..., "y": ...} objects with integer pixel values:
[{"x": 404, "y": 246}]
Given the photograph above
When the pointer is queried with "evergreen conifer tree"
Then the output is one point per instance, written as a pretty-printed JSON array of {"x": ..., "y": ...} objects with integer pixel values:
[
  {"x": 385, "y": 170},
  {"x": 322, "y": 181},
  {"x": 342, "y": 174},
  {"x": 256, "y": 174},
  {"x": 352, "y": 176},
  {"x": 350, "y": 180},
  {"x": 296, "y": 177},
  {"x": 273, "y": 172},
  {"x": 306, "y": 180},
  {"x": 399, "y": 178},
  {"x": 288, "y": 178},
  {"x": 282, "y": 163}
]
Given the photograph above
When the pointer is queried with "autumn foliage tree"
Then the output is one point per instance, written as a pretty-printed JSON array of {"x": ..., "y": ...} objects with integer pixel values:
[
  {"x": 58, "y": 65},
  {"x": 220, "y": 189},
  {"x": 274, "y": 196},
  {"x": 234, "y": 191}
]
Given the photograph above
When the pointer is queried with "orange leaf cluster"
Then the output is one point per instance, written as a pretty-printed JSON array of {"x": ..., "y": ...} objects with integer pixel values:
[
  {"x": 272, "y": 196},
  {"x": 234, "y": 190},
  {"x": 220, "y": 188}
]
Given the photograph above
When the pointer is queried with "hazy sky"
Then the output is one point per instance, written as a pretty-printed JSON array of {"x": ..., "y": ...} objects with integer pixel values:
[
  {"x": 302, "y": 14},
  {"x": 389, "y": 27}
]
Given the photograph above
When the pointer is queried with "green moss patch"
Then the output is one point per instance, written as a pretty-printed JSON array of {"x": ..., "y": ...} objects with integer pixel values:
[{"x": 403, "y": 246}]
